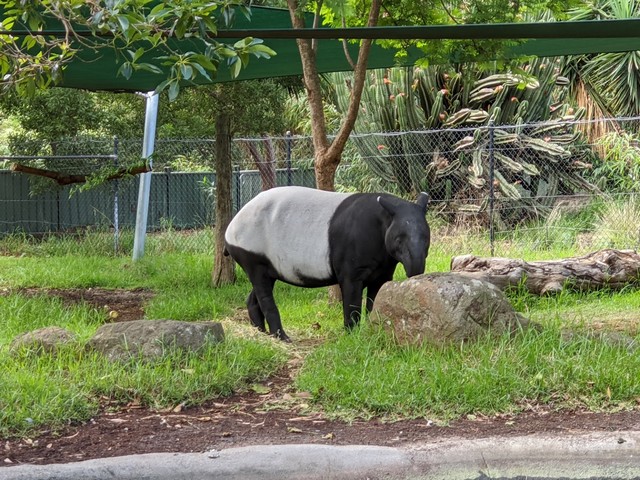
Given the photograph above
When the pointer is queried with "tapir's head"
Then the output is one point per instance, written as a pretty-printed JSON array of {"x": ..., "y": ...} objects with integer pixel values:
[{"x": 408, "y": 236}]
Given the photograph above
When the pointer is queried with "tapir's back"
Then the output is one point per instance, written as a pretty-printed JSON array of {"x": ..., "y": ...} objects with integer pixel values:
[{"x": 289, "y": 227}]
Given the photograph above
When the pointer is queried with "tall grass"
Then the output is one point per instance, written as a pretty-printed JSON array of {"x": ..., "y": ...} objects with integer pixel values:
[{"x": 618, "y": 224}]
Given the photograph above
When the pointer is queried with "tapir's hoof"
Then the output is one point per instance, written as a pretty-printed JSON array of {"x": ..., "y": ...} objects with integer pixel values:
[{"x": 280, "y": 335}]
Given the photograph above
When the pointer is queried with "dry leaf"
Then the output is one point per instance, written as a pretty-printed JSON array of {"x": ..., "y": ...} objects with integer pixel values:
[
  {"x": 293, "y": 430},
  {"x": 329, "y": 436}
]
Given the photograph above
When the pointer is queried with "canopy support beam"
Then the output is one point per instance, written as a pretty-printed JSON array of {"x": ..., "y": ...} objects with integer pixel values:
[{"x": 148, "y": 144}]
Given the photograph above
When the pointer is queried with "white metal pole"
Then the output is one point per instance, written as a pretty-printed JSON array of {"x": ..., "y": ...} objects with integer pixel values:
[{"x": 142, "y": 212}]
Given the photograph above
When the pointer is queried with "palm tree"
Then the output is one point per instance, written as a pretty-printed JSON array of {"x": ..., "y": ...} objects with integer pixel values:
[{"x": 606, "y": 84}]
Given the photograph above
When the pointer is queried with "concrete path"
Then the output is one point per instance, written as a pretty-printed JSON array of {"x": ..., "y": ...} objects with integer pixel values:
[{"x": 582, "y": 456}]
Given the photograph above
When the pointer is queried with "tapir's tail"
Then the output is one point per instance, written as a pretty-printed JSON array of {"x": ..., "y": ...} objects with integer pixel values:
[{"x": 225, "y": 252}]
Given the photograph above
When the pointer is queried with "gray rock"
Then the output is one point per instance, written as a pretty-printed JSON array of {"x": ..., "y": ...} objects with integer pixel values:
[
  {"x": 152, "y": 338},
  {"x": 48, "y": 339},
  {"x": 443, "y": 308}
]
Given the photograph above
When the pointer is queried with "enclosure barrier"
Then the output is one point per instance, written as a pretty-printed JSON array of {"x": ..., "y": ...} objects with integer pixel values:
[{"x": 497, "y": 186}]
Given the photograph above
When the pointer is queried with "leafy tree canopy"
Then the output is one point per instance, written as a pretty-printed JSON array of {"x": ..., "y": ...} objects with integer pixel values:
[
  {"x": 340, "y": 13},
  {"x": 142, "y": 32}
]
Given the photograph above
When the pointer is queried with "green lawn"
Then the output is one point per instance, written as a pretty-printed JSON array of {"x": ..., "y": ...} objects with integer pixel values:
[{"x": 349, "y": 375}]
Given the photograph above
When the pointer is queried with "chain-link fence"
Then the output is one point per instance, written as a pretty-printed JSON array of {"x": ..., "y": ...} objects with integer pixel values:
[{"x": 496, "y": 189}]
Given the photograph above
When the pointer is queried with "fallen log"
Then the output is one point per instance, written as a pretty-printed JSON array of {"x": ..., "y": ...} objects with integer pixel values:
[
  {"x": 68, "y": 179},
  {"x": 608, "y": 268}
]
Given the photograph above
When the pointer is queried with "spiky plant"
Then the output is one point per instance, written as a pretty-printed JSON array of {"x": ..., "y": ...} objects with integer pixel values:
[{"x": 533, "y": 161}]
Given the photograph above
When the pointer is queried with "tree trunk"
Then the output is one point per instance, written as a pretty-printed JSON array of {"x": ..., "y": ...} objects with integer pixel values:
[
  {"x": 607, "y": 268},
  {"x": 266, "y": 165},
  {"x": 223, "y": 266},
  {"x": 327, "y": 155}
]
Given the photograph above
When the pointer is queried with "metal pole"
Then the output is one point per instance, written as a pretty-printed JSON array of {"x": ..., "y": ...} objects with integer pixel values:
[
  {"x": 491, "y": 191},
  {"x": 116, "y": 223},
  {"x": 289, "y": 173},
  {"x": 142, "y": 212}
]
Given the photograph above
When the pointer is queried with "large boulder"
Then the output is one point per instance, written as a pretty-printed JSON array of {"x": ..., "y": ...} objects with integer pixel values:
[
  {"x": 43, "y": 340},
  {"x": 152, "y": 338},
  {"x": 443, "y": 308}
]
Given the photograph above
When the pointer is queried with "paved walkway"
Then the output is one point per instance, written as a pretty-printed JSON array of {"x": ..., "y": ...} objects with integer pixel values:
[{"x": 613, "y": 455}]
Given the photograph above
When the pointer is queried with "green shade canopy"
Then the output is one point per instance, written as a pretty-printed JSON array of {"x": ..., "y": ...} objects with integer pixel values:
[{"x": 97, "y": 69}]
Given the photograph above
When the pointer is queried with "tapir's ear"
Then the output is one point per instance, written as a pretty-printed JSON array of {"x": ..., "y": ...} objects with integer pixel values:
[
  {"x": 423, "y": 201},
  {"x": 387, "y": 205}
]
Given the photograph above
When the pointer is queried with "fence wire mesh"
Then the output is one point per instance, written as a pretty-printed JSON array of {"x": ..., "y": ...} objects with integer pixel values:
[{"x": 499, "y": 190}]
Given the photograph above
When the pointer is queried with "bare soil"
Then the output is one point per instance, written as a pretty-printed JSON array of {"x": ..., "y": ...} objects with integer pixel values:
[{"x": 274, "y": 413}]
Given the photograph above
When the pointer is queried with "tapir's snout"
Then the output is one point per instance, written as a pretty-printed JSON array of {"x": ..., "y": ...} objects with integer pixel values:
[{"x": 414, "y": 267}]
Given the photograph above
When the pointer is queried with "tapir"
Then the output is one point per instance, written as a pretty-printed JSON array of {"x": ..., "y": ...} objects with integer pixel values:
[{"x": 314, "y": 238}]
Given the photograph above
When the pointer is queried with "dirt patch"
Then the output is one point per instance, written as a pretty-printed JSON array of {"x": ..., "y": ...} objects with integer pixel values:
[
  {"x": 127, "y": 305},
  {"x": 279, "y": 416},
  {"x": 270, "y": 413}
]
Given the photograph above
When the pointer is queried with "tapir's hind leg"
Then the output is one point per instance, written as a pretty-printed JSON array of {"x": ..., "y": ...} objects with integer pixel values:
[
  {"x": 255, "y": 312},
  {"x": 263, "y": 291}
]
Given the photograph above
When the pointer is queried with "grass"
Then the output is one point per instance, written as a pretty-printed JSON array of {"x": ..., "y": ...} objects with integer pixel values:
[
  {"x": 48, "y": 391},
  {"x": 357, "y": 375},
  {"x": 489, "y": 376}
]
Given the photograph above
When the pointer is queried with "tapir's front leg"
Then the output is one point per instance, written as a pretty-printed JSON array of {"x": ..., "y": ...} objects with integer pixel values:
[
  {"x": 351, "y": 303},
  {"x": 374, "y": 287}
]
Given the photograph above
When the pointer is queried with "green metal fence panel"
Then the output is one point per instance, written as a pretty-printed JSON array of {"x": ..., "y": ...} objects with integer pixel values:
[{"x": 177, "y": 199}]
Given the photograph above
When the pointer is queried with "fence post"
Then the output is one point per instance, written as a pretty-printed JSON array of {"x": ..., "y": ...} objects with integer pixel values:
[
  {"x": 167, "y": 173},
  {"x": 236, "y": 169},
  {"x": 288, "y": 163},
  {"x": 491, "y": 190},
  {"x": 148, "y": 143},
  {"x": 116, "y": 223}
]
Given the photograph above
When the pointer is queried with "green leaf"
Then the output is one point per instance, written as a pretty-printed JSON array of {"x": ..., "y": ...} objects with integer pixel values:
[
  {"x": 34, "y": 23},
  {"x": 124, "y": 23},
  {"x": 126, "y": 70},
  {"x": 262, "y": 51},
  {"x": 226, "y": 52},
  {"x": 162, "y": 86},
  {"x": 204, "y": 62},
  {"x": 180, "y": 27},
  {"x": 211, "y": 24},
  {"x": 149, "y": 67},
  {"x": 235, "y": 66},
  {"x": 174, "y": 90},
  {"x": 202, "y": 71},
  {"x": 137, "y": 54},
  {"x": 245, "y": 42},
  {"x": 187, "y": 71}
]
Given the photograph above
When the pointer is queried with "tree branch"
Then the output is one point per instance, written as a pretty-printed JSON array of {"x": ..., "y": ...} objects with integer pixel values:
[
  {"x": 359, "y": 77},
  {"x": 68, "y": 179}
]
